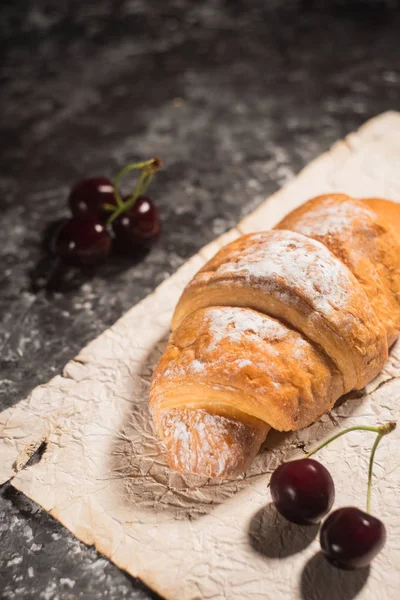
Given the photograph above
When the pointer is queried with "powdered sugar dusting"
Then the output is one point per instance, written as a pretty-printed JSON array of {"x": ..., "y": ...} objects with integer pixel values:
[
  {"x": 181, "y": 433},
  {"x": 236, "y": 323},
  {"x": 174, "y": 371},
  {"x": 243, "y": 362},
  {"x": 233, "y": 323},
  {"x": 330, "y": 217},
  {"x": 177, "y": 429},
  {"x": 196, "y": 366},
  {"x": 299, "y": 352},
  {"x": 200, "y": 428},
  {"x": 191, "y": 441},
  {"x": 289, "y": 259}
]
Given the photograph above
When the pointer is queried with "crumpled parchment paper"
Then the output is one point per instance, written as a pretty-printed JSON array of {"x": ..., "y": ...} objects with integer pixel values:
[{"x": 104, "y": 476}]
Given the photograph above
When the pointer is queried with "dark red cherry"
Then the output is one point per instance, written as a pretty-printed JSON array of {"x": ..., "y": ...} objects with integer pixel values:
[
  {"x": 89, "y": 195},
  {"x": 351, "y": 538},
  {"x": 138, "y": 227},
  {"x": 302, "y": 491},
  {"x": 83, "y": 241}
]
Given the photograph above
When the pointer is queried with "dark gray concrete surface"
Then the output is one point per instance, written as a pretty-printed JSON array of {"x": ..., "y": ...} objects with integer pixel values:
[{"x": 87, "y": 87}]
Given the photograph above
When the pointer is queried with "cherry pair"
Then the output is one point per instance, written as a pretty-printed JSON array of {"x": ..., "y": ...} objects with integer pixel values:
[
  {"x": 303, "y": 492},
  {"x": 101, "y": 218}
]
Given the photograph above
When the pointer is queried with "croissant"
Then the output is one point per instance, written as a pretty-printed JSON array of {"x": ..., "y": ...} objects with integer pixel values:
[{"x": 275, "y": 328}]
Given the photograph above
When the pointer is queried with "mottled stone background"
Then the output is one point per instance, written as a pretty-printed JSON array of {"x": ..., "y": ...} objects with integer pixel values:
[{"x": 234, "y": 96}]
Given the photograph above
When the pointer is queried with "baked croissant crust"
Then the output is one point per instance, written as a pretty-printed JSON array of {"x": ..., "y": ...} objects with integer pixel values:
[{"x": 275, "y": 328}]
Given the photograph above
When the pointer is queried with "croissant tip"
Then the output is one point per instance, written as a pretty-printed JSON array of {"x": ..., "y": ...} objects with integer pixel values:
[{"x": 211, "y": 445}]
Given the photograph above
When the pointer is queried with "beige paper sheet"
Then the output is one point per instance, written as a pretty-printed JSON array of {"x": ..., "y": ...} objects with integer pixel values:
[{"x": 104, "y": 477}]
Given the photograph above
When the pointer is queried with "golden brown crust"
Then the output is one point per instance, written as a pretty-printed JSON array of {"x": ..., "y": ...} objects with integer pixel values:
[
  {"x": 209, "y": 444},
  {"x": 299, "y": 281},
  {"x": 238, "y": 360},
  {"x": 275, "y": 328},
  {"x": 362, "y": 234}
]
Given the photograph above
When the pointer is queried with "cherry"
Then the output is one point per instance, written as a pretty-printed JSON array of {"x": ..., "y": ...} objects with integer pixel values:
[
  {"x": 89, "y": 195},
  {"x": 350, "y": 538},
  {"x": 83, "y": 241},
  {"x": 139, "y": 226},
  {"x": 96, "y": 205},
  {"x": 302, "y": 491}
]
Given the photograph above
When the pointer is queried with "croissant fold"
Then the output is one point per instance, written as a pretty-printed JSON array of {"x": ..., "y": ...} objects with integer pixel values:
[{"x": 275, "y": 328}]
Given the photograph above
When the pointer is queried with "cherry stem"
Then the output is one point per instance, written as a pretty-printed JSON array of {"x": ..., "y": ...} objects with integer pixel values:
[
  {"x": 370, "y": 469},
  {"x": 380, "y": 430},
  {"x": 109, "y": 207},
  {"x": 148, "y": 168}
]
